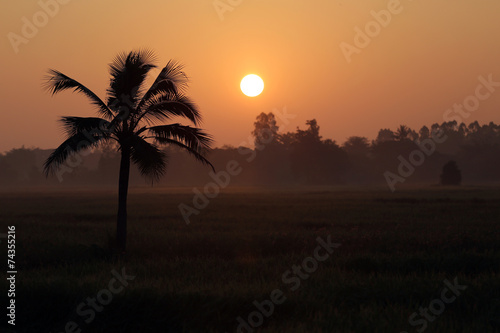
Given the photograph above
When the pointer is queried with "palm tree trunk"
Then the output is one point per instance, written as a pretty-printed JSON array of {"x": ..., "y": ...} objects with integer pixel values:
[{"x": 121, "y": 225}]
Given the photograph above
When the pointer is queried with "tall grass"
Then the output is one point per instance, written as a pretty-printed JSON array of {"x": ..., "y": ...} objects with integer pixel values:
[{"x": 396, "y": 250}]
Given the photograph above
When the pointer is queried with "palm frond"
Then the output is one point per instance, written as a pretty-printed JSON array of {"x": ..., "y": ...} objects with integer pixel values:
[
  {"x": 116, "y": 125},
  {"x": 56, "y": 82},
  {"x": 148, "y": 158},
  {"x": 193, "y": 152},
  {"x": 194, "y": 140},
  {"x": 72, "y": 145},
  {"x": 193, "y": 137},
  {"x": 128, "y": 73},
  {"x": 171, "y": 80},
  {"x": 75, "y": 125},
  {"x": 168, "y": 105}
]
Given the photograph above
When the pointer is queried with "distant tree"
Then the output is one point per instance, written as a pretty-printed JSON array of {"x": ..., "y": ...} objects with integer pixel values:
[
  {"x": 413, "y": 136},
  {"x": 474, "y": 127},
  {"x": 265, "y": 129},
  {"x": 435, "y": 128},
  {"x": 384, "y": 135},
  {"x": 402, "y": 133},
  {"x": 311, "y": 135},
  {"x": 127, "y": 118},
  {"x": 356, "y": 145},
  {"x": 489, "y": 133},
  {"x": 449, "y": 126},
  {"x": 313, "y": 160},
  {"x": 272, "y": 165},
  {"x": 463, "y": 130},
  {"x": 424, "y": 133},
  {"x": 20, "y": 163},
  {"x": 451, "y": 174},
  {"x": 287, "y": 139}
]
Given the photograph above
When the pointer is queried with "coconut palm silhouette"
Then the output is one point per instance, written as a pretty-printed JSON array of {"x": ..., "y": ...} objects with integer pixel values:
[{"x": 133, "y": 117}]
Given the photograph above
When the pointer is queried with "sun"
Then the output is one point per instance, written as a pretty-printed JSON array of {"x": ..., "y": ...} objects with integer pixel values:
[{"x": 252, "y": 85}]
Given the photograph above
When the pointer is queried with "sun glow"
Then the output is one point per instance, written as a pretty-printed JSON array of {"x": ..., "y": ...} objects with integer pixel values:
[{"x": 252, "y": 85}]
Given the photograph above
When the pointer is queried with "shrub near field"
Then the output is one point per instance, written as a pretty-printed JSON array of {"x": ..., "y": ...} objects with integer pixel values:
[{"x": 396, "y": 251}]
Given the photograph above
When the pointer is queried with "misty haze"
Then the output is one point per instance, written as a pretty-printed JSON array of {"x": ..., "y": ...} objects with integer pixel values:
[{"x": 250, "y": 166}]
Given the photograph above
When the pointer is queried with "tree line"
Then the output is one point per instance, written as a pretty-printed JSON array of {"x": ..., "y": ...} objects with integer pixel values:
[{"x": 296, "y": 158}]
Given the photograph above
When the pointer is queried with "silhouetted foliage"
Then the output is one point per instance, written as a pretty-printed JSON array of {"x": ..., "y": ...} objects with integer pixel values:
[
  {"x": 265, "y": 129},
  {"x": 451, "y": 174},
  {"x": 300, "y": 157},
  {"x": 357, "y": 145},
  {"x": 133, "y": 119},
  {"x": 385, "y": 135}
]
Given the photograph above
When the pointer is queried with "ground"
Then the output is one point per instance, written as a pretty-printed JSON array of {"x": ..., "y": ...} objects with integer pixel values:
[{"x": 395, "y": 253}]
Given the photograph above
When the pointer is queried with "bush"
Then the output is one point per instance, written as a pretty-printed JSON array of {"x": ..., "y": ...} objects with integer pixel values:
[{"x": 451, "y": 174}]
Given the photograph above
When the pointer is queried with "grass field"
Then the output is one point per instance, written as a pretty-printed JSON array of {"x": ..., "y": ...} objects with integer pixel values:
[{"x": 395, "y": 252}]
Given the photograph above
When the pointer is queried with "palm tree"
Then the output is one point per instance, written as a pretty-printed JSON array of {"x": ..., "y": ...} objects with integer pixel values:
[
  {"x": 132, "y": 117},
  {"x": 402, "y": 133}
]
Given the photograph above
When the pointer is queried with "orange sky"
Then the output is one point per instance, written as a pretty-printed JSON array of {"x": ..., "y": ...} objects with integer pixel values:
[{"x": 428, "y": 57}]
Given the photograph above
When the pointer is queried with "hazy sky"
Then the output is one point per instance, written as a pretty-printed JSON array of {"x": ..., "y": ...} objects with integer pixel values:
[{"x": 426, "y": 59}]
